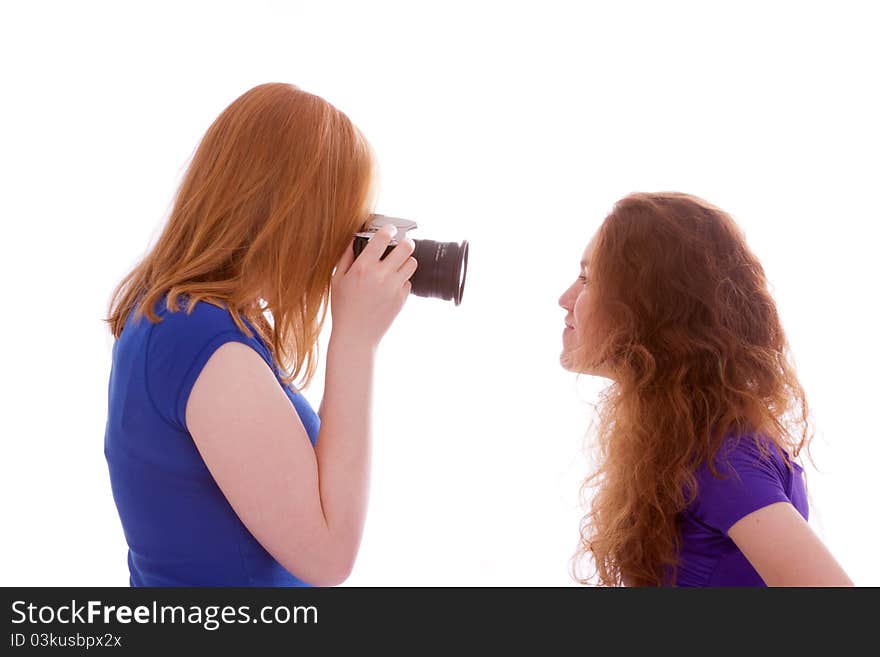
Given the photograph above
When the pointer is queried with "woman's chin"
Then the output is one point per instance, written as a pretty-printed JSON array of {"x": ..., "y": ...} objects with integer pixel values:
[{"x": 566, "y": 361}]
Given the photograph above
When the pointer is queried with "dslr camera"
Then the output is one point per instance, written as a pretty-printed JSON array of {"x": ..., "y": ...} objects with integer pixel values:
[{"x": 442, "y": 265}]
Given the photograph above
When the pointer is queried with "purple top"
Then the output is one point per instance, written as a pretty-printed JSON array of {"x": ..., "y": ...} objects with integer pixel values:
[{"x": 751, "y": 481}]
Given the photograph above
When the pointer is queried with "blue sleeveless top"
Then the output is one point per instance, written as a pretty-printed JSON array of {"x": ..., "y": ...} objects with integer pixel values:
[{"x": 180, "y": 529}]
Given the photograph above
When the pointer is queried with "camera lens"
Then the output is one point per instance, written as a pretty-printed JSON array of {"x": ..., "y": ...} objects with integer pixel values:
[{"x": 442, "y": 267}]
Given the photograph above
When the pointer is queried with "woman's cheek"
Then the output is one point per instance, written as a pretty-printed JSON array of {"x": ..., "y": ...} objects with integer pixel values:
[{"x": 583, "y": 314}]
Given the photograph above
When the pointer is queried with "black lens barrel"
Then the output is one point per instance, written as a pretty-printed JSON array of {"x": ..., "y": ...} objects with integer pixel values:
[{"x": 442, "y": 267}]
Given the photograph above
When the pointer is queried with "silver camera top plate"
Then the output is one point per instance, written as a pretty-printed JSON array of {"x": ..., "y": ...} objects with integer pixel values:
[{"x": 376, "y": 221}]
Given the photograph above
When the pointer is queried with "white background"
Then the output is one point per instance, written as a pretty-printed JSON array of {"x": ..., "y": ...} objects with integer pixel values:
[{"x": 513, "y": 125}]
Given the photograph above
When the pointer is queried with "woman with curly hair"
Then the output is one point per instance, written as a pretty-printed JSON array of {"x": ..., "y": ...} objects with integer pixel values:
[{"x": 698, "y": 432}]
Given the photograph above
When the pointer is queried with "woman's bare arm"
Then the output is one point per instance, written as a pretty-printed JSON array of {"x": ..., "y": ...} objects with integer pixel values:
[
  {"x": 784, "y": 550},
  {"x": 306, "y": 506},
  {"x": 257, "y": 450}
]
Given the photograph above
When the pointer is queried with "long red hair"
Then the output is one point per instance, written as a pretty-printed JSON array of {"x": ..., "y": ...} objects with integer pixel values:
[
  {"x": 276, "y": 189},
  {"x": 696, "y": 353}
]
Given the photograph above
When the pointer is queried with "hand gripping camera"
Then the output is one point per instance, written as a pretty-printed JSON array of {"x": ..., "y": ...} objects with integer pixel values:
[{"x": 442, "y": 265}]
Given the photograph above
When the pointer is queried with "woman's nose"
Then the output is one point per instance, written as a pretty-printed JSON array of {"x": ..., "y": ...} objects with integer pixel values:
[{"x": 563, "y": 300}]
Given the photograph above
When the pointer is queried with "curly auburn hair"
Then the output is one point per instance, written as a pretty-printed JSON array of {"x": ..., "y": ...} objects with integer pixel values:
[{"x": 696, "y": 352}]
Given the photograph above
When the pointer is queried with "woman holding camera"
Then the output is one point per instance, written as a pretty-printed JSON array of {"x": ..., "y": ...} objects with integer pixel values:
[
  {"x": 698, "y": 431},
  {"x": 222, "y": 473}
]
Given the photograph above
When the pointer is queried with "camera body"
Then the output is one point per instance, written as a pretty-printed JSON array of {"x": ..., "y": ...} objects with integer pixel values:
[
  {"x": 442, "y": 267},
  {"x": 376, "y": 222}
]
